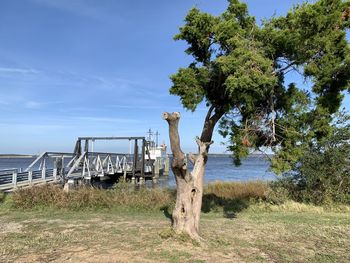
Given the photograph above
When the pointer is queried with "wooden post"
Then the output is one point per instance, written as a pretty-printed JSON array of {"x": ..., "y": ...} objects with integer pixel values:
[
  {"x": 166, "y": 167},
  {"x": 143, "y": 159},
  {"x": 43, "y": 173},
  {"x": 55, "y": 174},
  {"x": 56, "y": 168},
  {"x": 156, "y": 167},
  {"x": 14, "y": 178},
  {"x": 43, "y": 167},
  {"x": 30, "y": 177},
  {"x": 134, "y": 162},
  {"x": 124, "y": 167},
  {"x": 63, "y": 171},
  {"x": 155, "y": 170},
  {"x": 62, "y": 168},
  {"x": 86, "y": 148}
]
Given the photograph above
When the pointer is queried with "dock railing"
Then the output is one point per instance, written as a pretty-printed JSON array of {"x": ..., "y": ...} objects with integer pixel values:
[
  {"x": 37, "y": 172},
  {"x": 52, "y": 167}
]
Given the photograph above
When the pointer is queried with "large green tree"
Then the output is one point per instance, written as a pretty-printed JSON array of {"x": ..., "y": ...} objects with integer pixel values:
[{"x": 239, "y": 71}]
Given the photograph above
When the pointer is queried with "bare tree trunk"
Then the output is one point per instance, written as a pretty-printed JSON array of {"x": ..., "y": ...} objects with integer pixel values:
[{"x": 189, "y": 184}]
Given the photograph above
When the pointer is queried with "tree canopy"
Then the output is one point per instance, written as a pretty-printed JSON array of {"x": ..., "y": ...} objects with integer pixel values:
[{"x": 239, "y": 70}]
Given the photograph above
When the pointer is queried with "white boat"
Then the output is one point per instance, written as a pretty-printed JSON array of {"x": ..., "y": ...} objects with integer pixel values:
[{"x": 157, "y": 153}]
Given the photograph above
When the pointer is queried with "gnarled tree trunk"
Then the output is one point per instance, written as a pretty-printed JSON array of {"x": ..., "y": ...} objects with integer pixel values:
[{"x": 189, "y": 184}]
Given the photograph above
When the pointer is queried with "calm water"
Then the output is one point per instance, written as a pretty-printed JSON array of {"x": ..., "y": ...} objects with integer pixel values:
[
  {"x": 218, "y": 168},
  {"x": 222, "y": 168}
]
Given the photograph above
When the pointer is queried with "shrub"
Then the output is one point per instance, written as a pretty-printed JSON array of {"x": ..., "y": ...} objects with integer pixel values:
[
  {"x": 277, "y": 195},
  {"x": 322, "y": 175}
]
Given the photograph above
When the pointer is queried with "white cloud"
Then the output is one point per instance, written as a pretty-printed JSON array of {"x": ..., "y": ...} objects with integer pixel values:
[
  {"x": 31, "y": 104},
  {"x": 18, "y": 71}
]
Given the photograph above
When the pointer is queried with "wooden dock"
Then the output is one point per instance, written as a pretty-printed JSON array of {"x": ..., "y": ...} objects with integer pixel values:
[{"x": 85, "y": 165}]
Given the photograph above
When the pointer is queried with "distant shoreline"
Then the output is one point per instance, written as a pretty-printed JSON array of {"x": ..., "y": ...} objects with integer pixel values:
[
  {"x": 210, "y": 155},
  {"x": 16, "y": 156}
]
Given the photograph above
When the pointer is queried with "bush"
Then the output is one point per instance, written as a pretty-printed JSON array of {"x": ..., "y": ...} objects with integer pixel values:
[
  {"x": 277, "y": 195},
  {"x": 322, "y": 175}
]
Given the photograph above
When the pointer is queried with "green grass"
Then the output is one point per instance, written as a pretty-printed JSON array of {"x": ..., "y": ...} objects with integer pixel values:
[{"x": 238, "y": 225}]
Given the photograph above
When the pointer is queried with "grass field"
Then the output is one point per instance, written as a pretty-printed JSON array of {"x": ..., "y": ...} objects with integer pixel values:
[{"x": 291, "y": 233}]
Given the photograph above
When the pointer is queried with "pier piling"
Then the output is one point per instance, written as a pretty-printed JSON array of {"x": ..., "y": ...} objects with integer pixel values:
[{"x": 166, "y": 167}]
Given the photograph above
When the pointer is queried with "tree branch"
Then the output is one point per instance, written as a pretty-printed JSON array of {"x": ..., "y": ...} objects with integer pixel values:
[
  {"x": 209, "y": 112},
  {"x": 285, "y": 68},
  {"x": 192, "y": 157},
  {"x": 173, "y": 121},
  {"x": 210, "y": 123}
]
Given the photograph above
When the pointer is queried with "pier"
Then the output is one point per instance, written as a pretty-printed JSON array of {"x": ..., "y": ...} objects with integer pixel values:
[{"x": 84, "y": 165}]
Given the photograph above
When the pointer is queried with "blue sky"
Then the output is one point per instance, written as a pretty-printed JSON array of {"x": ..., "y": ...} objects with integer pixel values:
[{"x": 72, "y": 68}]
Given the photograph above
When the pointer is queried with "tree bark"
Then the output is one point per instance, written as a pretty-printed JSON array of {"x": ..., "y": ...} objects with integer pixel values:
[{"x": 189, "y": 184}]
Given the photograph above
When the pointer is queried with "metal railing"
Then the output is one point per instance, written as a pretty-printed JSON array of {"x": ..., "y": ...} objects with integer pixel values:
[
  {"x": 37, "y": 172},
  {"x": 13, "y": 179},
  {"x": 51, "y": 167},
  {"x": 89, "y": 165}
]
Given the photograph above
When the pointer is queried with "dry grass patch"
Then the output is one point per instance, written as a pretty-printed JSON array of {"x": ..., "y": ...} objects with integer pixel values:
[
  {"x": 123, "y": 196},
  {"x": 238, "y": 190},
  {"x": 232, "y": 197}
]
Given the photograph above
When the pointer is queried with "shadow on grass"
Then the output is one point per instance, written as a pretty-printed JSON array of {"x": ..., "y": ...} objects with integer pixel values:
[
  {"x": 166, "y": 213},
  {"x": 2, "y": 197},
  {"x": 230, "y": 207},
  {"x": 213, "y": 203}
]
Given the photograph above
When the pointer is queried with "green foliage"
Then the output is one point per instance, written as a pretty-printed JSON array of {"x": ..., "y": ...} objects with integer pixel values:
[
  {"x": 240, "y": 69},
  {"x": 322, "y": 174},
  {"x": 277, "y": 195},
  {"x": 229, "y": 67},
  {"x": 313, "y": 37},
  {"x": 188, "y": 85}
]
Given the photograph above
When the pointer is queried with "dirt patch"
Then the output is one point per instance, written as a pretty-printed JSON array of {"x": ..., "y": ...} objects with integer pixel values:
[
  {"x": 83, "y": 254},
  {"x": 10, "y": 227}
]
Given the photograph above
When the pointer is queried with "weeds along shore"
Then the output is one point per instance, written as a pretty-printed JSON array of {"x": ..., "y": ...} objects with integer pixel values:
[{"x": 226, "y": 197}]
